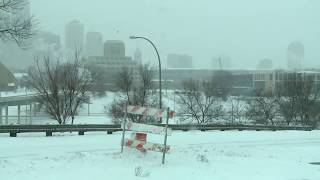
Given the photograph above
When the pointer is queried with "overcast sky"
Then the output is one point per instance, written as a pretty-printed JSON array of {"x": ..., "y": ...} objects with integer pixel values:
[{"x": 246, "y": 30}]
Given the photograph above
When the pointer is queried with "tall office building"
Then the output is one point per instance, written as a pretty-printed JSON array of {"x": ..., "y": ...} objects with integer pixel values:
[
  {"x": 74, "y": 34},
  {"x": 94, "y": 44},
  {"x": 114, "y": 49},
  {"x": 295, "y": 55},
  {"x": 179, "y": 61},
  {"x": 137, "y": 56}
]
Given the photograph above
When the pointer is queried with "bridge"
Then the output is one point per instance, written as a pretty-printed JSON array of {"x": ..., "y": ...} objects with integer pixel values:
[
  {"x": 31, "y": 100},
  {"x": 25, "y": 100},
  {"x": 19, "y": 100}
]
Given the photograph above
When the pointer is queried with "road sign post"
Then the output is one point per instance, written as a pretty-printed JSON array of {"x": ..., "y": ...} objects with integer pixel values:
[
  {"x": 165, "y": 136},
  {"x": 124, "y": 129}
]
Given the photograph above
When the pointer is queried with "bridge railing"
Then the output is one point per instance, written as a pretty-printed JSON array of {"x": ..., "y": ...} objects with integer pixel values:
[{"x": 110, "y": 128}]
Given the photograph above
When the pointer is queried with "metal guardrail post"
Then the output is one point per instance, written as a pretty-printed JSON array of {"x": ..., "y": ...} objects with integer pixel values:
[
  {"x": 30, "y": 120},
  {"x": 0, "y": 115},
  {"x": 19, "y": 114},
  {"x": 165, "y": 137},
  {"x": 7, "y": 115}
]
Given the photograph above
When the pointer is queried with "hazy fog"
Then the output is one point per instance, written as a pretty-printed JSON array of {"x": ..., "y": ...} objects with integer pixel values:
[{"x": 246, "y": 30}]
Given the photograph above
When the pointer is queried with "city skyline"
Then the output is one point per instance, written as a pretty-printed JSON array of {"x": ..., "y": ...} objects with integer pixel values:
[{"x": 262, "y": 31}]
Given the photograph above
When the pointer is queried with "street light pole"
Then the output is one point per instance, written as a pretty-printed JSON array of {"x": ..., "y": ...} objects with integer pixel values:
[{"x": 155, "y": 48}]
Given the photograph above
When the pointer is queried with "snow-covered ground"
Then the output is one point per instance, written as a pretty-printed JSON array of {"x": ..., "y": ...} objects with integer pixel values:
[{"x": 229, "y": 155}]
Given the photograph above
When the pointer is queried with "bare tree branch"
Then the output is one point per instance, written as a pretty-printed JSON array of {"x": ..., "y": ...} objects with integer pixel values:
[
  {"x": 15, "y": 27},
  {"x": 12, "y": 5}
]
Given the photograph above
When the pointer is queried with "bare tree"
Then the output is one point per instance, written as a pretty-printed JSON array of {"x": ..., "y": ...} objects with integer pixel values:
[
  {"x": 117, "y": 110},
  {"x": 287, "y": 93},
  {"x": 263, "y": 110},
  {"x": 237, "y": 110},
  {"x": 14, "y": 27},
  {"x": 62, "y": 87},
  {"x": 298, "y": 99},
  {"x": 221, "y": 83},
  {"x": 98, "y": 75},
  {"x": 75, "y": 85},
  {"x": 125, "y": 82},
  {"x": 137, "y": 88},
  {"x": 307, "y": 100},
  {"x": 143, "y": 91},
  {"x": 197, "y": 102}
]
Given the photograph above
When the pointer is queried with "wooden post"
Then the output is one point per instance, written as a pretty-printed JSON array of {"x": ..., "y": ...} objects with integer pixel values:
[
  {"x": 165, "y": 137},
  {"x": 124, "y": 127}
]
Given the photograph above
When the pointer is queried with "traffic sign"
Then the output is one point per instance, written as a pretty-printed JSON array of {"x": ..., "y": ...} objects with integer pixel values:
[{"x": 138, "y": 127}]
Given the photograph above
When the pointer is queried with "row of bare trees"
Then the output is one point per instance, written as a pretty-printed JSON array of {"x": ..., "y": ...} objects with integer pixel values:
[
  {"x": 202, "y": 101},
  {"x": 295, "y": 102}
]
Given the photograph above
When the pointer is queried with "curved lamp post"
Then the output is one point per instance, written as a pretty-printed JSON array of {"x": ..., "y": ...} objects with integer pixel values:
[{"x": 155, "y": 48}]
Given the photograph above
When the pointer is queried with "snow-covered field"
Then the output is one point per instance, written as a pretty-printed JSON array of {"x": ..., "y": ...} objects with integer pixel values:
[{"x": 246, "y": 155}]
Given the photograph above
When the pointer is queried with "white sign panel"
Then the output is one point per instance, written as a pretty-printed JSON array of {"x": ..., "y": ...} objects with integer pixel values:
[
  {"x": 147, "y": 128},
  {"x": 147, "y": 111}
]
